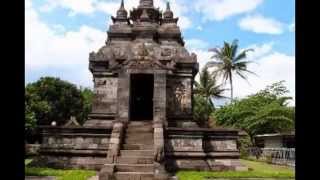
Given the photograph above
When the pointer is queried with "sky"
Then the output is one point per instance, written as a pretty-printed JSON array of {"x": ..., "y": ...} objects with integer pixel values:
[{"x": 60, "y": 34}]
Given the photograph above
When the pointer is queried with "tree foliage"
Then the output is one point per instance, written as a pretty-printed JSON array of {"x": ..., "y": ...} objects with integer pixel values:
[
  {"x": 264, "y": 112},
  {"x": 201, "y": 110},
  {"x": 87, "y": 96},
  {"x": 51, "y": 99},
  {"x": 205, "y": 90},
  {"x": 228, "y": 62}
]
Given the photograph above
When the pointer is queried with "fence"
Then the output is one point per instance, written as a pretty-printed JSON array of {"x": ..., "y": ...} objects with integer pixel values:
[{"x": 282, "y": 156}]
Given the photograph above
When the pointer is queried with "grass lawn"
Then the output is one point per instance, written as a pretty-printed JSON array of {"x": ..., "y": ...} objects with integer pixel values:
[
  {"x": 260, "y": 170},
  {"x": 59, "y": 173}
]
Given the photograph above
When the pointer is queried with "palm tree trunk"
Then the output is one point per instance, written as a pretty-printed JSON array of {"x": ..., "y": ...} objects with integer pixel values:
[{"x": 231, "y": 85}]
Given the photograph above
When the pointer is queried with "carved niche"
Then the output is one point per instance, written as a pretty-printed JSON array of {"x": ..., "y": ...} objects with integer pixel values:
[
  {"x": 105, "y": 94},
  {"x": 179, "y": 96}
]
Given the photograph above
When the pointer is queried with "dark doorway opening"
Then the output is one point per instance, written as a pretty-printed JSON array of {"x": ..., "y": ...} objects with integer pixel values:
[{"x": 141, "y": 97}]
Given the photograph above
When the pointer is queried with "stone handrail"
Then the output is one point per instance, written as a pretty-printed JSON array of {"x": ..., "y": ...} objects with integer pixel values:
[
  {"x": 115, "y": 141},
  {"x": 159, "y": 154},
  {"x": 158, "y": 142}
]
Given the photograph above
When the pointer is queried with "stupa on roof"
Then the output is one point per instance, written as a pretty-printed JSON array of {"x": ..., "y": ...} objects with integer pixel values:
[{"x": 141, "y": 122}]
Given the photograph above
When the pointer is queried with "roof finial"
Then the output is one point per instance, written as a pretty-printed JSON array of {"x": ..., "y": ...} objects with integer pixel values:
[
  {"x": 122, "y": 4},
  {"x": 122, "y": 13},
  {"x": 168, "y": 6},
  {"x": 168, "y": 14},
  {"x": 146, "y": 3}
]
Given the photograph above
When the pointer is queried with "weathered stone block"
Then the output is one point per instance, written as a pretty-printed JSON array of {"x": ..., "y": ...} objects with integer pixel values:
[{"x": 184, "y": 145}]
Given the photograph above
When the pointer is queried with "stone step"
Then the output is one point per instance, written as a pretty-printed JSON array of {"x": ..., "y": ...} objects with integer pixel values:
[
  {"x": 139, "y": 138},
  {"x": 134, "y": 175},
  {"x": 137, "y": 146},
  {"x": 148, "y": 122},
  {"x": 135, "y": 168},
  {"x": 141, "y": 134},
  {"x": 143, "y": 153},
  {"x": 134, "y": 160},
  {"x": 139, "y": 141},
  {"x": 136, "y": 125},
  {"x": 138, "y": 129}
]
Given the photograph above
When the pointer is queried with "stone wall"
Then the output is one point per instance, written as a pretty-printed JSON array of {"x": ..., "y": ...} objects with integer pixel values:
[
  {"x": 32, "y": 149},
  {"x": 76, "y": 147},
  {"x": 105, "y": 95},
  {"x": 201, "y": 149}
]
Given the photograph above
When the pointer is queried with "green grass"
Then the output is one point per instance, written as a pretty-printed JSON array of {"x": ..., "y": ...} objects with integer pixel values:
[
  {"x": 27, "y": 161},
  {"x": 60, "y": 174},
  {"x": 259, "y": 170}
]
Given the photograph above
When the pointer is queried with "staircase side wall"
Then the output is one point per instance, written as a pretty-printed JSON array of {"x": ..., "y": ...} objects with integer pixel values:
[
  {"x": 196, "y": 149},
  {"x": 73, "y": 148}
]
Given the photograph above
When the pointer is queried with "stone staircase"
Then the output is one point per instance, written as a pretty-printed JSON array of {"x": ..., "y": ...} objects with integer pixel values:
[{"x": 135, "y": 161}]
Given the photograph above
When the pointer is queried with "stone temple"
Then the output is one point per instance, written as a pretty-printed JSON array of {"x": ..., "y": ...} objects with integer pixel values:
[{"x": 141, "y": 125}]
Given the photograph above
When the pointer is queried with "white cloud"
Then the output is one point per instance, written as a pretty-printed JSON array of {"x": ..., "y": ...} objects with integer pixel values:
[
  {"x": 47, "y": 48},
  {"x": 196, "y": 44},
  {"x": 217, "y": 10},
  {"x": 261, "y": 24},
  {"x": 259, "y": 51},
  {"x": 199, "y": 28},
  {"x": 270, "y": 66},
  {"x": 292, "y": 27},
  {"x": 110, "y": 7},
  {"x": 75, "y": 6}
]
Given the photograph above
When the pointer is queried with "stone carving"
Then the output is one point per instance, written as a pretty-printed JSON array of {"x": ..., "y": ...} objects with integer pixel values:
[
  {"x": 119, "y": 52},
  {"x": 166, "y": 52},
  {"x": 100, "y": 82},
  {"x": 180, "y": 99},
  {"x": 222, "y": 145},
  {"x": 179, "y": 96},
  {"x": 105, "y": 95},
  {"x": 188, "y": 145}
]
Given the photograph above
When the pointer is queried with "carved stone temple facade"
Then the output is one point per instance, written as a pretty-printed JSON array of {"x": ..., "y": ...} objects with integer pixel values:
[{"x": 141, "y": 125}]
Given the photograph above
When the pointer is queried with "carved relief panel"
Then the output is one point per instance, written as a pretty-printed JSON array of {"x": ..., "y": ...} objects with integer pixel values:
[
  {"x": 184, "y": 144},
  {"x": 105, "y": 95},
  {"x": 221, "y": 145},
  {"x": 179, "y": 96}
]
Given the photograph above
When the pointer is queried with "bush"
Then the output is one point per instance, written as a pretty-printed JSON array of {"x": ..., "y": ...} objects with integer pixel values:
[
  {"x": 244, "y": 143},
  {"x": 51, "y": 99},
  {"x": 264, "y": 112}
]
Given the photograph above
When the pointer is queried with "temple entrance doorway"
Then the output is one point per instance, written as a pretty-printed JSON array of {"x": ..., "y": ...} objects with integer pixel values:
[{"x": 141, "y": 97}]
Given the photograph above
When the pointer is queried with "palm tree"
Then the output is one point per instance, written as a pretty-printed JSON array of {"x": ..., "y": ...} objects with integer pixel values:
[
  {"x": 207, "y": 87},
  {"x": 228, "y": 61}
]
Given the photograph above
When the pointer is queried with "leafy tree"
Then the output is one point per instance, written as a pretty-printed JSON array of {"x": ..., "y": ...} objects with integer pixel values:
[
  {"x": 51, "y": 99},
  {"x": 207, "y": 87},
  {"x": 228, "y": 61},
  {"x": 205, "y": 90},
  {"x": 264, "y": 112},
  {"x": 87, "y": 96},
  {"x": 201, "y": 110}
]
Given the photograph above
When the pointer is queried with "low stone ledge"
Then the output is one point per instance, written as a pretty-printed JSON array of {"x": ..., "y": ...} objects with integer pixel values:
[
  {"x": 48, "y": 151},
  {"x": 78, "y": 134},
  {"x": 69, "y": 162},
  {"x": 32, "y": 149},
  {"x": 75, "y": 130},
  {"x": 204, "y": 133},
  {"x": 231, "y": 154}
]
